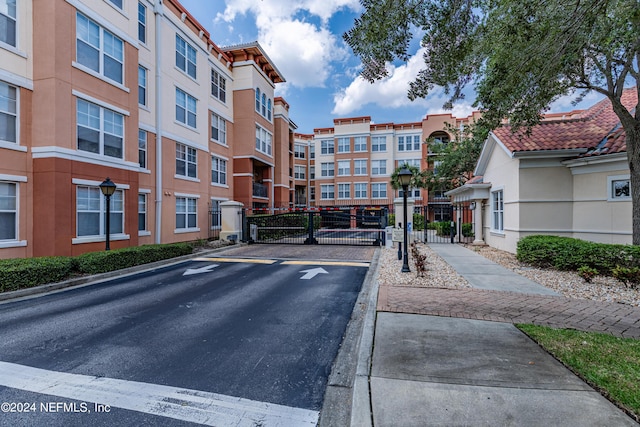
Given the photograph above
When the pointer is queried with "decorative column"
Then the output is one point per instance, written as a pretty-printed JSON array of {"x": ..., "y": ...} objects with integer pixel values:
[{"x": 477, "y": 221}]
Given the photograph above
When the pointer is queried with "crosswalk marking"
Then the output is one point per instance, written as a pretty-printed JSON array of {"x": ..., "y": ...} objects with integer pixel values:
[{"x": 172, "y": 402}]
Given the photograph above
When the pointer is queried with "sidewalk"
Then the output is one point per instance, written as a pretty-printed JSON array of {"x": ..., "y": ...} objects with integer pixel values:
[{"x": 452, "y": 356}]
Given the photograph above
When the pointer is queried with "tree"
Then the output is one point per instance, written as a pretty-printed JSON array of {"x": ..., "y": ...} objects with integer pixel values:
[
  {"x": 520, "y": 56},
  {"x": 416, "y": 178}
]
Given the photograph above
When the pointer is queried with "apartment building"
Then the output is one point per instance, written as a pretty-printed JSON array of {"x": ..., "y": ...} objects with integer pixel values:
[
  {"x": 138, "y": 92},
  {"x": 350, "y": 164}
]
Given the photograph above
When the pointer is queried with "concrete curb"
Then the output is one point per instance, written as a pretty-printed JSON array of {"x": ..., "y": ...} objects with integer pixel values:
[
  {"x": 98, "y": 278},
  {"x": 347, "y": 399}
]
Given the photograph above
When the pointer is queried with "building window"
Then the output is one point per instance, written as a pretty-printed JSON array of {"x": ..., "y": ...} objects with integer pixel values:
[
  {"x": 379, "y": 191},
  {"x": 100, "y": 130},
  {"x": 312, "y": 193},
  {"x": 409, "y": 143},
  {"x": 218, "y": 171},
  {"x": 186, "y": 161},
  {"x": 91, "y": 212},
  {"x": 619, "y": 187},
  {"x": 344, "y": 167},
  {"x": 312, "y": 172},
  {"x": 8, "y": 113},
  {"x": 186, "y": 213},
  {"x": 263, "y": 140},
  {"x": 312, "y": 151},
  {"x": 142, "y": 212},
  {"x": 218, "y": 86},
  {"x": 142, "y": 148},
  {"x": 298, "y": 151},
  {"x": 360, "y": 189},
  {"x": 327, "y": 170},
  {"x": 300, "y": 172},
  {"x": 344, "y": 191},
  {"x": 142, "y": 85},
  {"x": 327, "y": 192},
  {"x": 360, "y": 167},
  {"x": 117, "y": 3},
  {"x": 185, "y": 108},
  {"x": 326, "y": 146},
  {"x": 360, "y": 144},
  {"x": 8, "y": 22},
  {"x": 98, "y": 49},
  {"x": 258, "y": 94},
  {"x": 497, "y": 211},
  {"x": 379, "y": 143},
  {"x": 344, "y": 145},
  {"x": 269, "y": 110},
  {"x": 142, "y": 22},
  {"x": 378, "y": 167},
  {"x": 218, "y": 129},
  {"x": 8, "y": 211},
  {"x": 185, "y": 57}
]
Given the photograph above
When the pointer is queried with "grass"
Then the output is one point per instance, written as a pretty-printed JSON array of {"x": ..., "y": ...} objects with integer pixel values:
[{"x": 609, "y": 364}]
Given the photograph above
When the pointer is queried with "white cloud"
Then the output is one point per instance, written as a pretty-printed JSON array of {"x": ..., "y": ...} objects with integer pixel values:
[
  {"x": 565, "y": 104},
  {"x": 303, "y": 51}
]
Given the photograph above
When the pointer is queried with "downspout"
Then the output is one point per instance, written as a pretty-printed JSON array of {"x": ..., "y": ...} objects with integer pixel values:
[{"x": 157, "y": 10}]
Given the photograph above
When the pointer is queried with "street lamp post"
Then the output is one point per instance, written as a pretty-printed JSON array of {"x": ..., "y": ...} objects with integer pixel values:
[
  {"x": 108, "y": 188},
  {"x": 404, "y": 178}
]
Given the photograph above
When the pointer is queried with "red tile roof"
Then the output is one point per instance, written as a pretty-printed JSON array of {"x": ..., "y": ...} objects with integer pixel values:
[{"x": 596, "y": 127}]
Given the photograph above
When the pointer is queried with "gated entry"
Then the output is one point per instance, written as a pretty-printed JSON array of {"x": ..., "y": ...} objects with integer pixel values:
[
  {"x": 448, "y": 224},
  {"x": 336, "y": 227}
]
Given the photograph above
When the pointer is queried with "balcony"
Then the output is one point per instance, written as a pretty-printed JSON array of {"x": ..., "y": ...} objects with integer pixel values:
[{"x": 259, "y": 190}]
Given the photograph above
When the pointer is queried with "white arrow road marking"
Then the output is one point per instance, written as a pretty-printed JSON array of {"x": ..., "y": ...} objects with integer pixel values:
[
  {"x": 205, "y": 269},
  {"x": 313, "y": 272},
  {"x": 172, "y": 402}
]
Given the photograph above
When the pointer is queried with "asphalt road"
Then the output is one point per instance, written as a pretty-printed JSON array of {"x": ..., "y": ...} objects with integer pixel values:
[{"x": 215, "y": 341}]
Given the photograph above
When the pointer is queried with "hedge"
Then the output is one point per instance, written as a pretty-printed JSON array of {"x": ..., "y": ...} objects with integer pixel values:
[
  {"x": 565, "y": 253},
  {"x": 22, "y": 273}
]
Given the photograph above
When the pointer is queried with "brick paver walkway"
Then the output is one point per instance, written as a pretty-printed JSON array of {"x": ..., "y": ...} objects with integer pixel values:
[{"x": 513, "y": 307}]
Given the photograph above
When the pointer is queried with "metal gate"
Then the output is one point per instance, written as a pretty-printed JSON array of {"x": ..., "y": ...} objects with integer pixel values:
[
  {"x": 316, "y": 227},
  {"x": 445, "y": 223}
]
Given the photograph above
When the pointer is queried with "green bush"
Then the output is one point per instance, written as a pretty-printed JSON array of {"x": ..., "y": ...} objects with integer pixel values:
[
  {"x": 629, "y": 275},
  {"x": 587, "y": 273},
  {"x": 392, "y": 219},
  {"x": 565, "y": 253},
  {"x": 418, "y": 222},
  {"x": 28, "y": 272},
  {"x": 101, "y": 262},
  {"x": 443, "y": 228},
  {"x": 467, "y": 229}
]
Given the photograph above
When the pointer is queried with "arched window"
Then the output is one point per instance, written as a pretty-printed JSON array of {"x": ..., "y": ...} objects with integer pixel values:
[
  {"x": 258, "y": 99},
  {"x": 269, "y": 110},
  {"x": 264, "y": 105}
]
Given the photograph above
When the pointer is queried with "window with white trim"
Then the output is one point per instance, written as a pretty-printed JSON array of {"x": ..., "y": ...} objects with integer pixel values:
[
  {"x": 186, "y": 108},
  {"x": 312, "y": 172},
  {"x": 8, "y": 211},
  {"x": 117, "y": 3},
  {"x": 378, "y": 167},
  {"x": 186, "y": 161},
  {"x": 100, "y": 130},
  {"x": 298, "y": 151},
  {"x": 142, "y": 22},
  {"x": 91, "y": 208},
  {"x": 409, "y": 143},
  {"x": 360, "y": 190},
  {"x": 8, "y": 113},
  {"x": 619, "y": 188},
  {"x": 344, "y": 191},
  {"x": 497, "y": 211},
  {"x": 312, "y": 193},
  {"x": 378, "y": 143},
  {"x": 185, "y": 57},
  {"x": 263, "y": 104},
  {"x": 327, "y": 170},
  {"x": 142, "y": 148},
  {"x": 300, "y": 172},
  {"x": 360, "y": 144},
  {"x": 98, "y": 49},
  {"x": 378, "y": 190},
  {"x": 312, "y": 151},
  {"x": 344, "y": 167},
  {"x": 326, "y": 146},
  {"x": 327, "y": 192},
  {"x": 218, "y": 86},
  {"x": 142, "y": 212},
  {"x": 218, "y": 129},
  {"x": 263, "y": 140},
  {"x": 360, "y": 167},
  {"x": 8, "y": 22},
  {"x": 186, "y": 213},
  {"x": 218, "y": 170},
  {"x": 142, "y": 85},
  {"x": 344, "y": 145}
]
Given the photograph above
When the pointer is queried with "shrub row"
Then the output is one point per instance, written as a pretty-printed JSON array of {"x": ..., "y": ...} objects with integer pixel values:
[
  {"x": 565, "y": 253},
  {"x": 28, "y": 272}
]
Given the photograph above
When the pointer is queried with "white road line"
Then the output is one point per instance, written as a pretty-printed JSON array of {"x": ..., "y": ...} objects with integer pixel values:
[{"x": 172, "y": 402}]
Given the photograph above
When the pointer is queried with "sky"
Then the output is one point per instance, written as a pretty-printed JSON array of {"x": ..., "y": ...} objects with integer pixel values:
[{"x": 304, "y": 40}]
